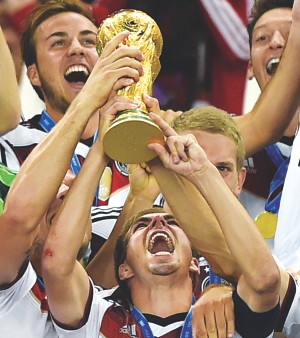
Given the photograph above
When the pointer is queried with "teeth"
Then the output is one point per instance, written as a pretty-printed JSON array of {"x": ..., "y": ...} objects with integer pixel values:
[
  {"x": 166, "y": 238},
  {"x": 78, "y": 68},
  {"x": 162, "y": 253},
  {"x": 272, "y": 64}
]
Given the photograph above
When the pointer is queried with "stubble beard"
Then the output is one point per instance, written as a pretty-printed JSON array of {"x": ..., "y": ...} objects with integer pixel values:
[
  {"x": 163, "y": 269},
  {"x": 59, "y": 102}
]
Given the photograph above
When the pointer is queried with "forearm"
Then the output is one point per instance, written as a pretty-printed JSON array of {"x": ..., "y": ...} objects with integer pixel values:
[
  {"x": 74, "y": 214},
  {"x": 10, "y": 103},
  {"x": 242, "y": 237},
  {"x": 197, "y": 220},
  {"x": 66, "y": 281},
  {"x": 278, "y": 101},
  {"x": 48, "y": 162}
]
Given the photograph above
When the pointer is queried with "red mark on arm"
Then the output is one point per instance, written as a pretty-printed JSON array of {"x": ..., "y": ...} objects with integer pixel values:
[{"x": 48, "y": 253}]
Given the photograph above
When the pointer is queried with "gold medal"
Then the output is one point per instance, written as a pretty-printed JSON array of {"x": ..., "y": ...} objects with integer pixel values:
[{"x": 266, "y": 223}]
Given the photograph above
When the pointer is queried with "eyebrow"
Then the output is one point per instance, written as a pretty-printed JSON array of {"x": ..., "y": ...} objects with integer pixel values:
[
  {"x": 64, "y": 34},
  {"x": 265, "y": 25},
  {"x": 149, "y": 219},
  {"x": 226, "y": 163}
]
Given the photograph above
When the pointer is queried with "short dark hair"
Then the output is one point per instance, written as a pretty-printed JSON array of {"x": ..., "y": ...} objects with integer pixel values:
[
  {"x": 40, "y": 14},
  {"x": 260, "y": 7},
  {"x": 122, "y": 244}
]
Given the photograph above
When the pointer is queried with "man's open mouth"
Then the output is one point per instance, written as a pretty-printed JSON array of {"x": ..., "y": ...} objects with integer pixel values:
[
  {"x": 77, "y": 74},
  {"x": 161, "y": 243},
  {"x": 272, "y": 66}
]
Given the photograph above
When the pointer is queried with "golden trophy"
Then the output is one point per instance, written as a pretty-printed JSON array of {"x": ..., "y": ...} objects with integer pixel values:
[{"x": 129, "y": 134}]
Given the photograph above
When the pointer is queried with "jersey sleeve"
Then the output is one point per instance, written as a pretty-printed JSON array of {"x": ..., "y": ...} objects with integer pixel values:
[{"x": 11, "y": 296}]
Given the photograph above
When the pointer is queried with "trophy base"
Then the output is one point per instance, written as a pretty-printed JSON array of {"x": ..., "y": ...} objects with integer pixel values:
[{"x": 127, "y": 137}]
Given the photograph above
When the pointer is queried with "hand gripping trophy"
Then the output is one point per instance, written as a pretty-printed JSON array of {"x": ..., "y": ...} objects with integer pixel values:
[{"x": 127, "y": 137}]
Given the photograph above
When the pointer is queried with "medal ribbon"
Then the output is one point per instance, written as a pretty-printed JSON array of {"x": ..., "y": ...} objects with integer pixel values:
[
  {"x": 186, "y": 331},
  {"x": 47, "y": 123},
  {"x": 273, "y": 200},
  {"x": 213, "y": 278}
]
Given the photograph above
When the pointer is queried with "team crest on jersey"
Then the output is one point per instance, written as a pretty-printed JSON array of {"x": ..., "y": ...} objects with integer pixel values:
[
  {"x": 205, "y": 283},
  {"x": 130, "y": 330},
  {"x": 122, "y": 168}
]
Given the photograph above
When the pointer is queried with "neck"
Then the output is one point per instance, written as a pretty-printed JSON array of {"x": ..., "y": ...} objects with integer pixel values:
[
  {"x": 55, "y": 114},
  {"x": 35, "y": 260},
  {"x": 162, "y": 299}
]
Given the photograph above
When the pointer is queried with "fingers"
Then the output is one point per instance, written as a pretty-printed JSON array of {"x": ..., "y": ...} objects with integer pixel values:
[
  {"x": 198, "y": 326},
  {"x": 152, "y": 104},
  {"x": 117, "y": 104},
  {"x": 122, "y": 83},
  {"x": 169, "y": 115},
  {"x": 161, "y": 152},
  {"x": 210, "y": 322},
  {"x": 164, "y": 126},
  {"x": 220, "y": 325},
  {"x": 229, "y": 315},
  {"x": 132, "y": 168},
  {"x": 177, "y": 149},
  {"x": 213, "y": 313},
  {"x": 125, "y": 67},
  {"x": 127, "y": 59},
  {"x": 114, "y": 43},
  {"x": 119, "y": 66},
  {"x": 115, "y": 49}
]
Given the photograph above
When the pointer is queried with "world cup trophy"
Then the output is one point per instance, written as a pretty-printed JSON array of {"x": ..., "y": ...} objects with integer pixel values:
[{"x": 129, "y": 134}]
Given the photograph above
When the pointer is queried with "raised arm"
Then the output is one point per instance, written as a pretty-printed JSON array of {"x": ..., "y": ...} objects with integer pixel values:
[
  {"x": 209, "y": 241},
  {"x": 278, "y": 102},
  {"x": 259, "y": 283},
  {"x": 10, "y": 103},
  {"x": 46, "y": 166},
  {"x": 192, "y": 214},
  {"x": 66, "y": 281}
]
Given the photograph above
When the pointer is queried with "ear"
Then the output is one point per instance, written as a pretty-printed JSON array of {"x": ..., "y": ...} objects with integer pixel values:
[
  {"x": 194, "y": 266},
  {"x": 250, "y": 74},
  {"x": 33, "y": 75},
  {"x": 125, "y": 271},
  {"x": 241, "y": 179}
]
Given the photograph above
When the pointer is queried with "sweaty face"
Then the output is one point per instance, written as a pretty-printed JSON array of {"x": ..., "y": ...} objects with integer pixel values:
[
  {"x": 158, "y": 246},
  {"x": 222, "y": 153},
  {"x": 270, "y": 36},
  {"x": 66, "y": 55}
]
